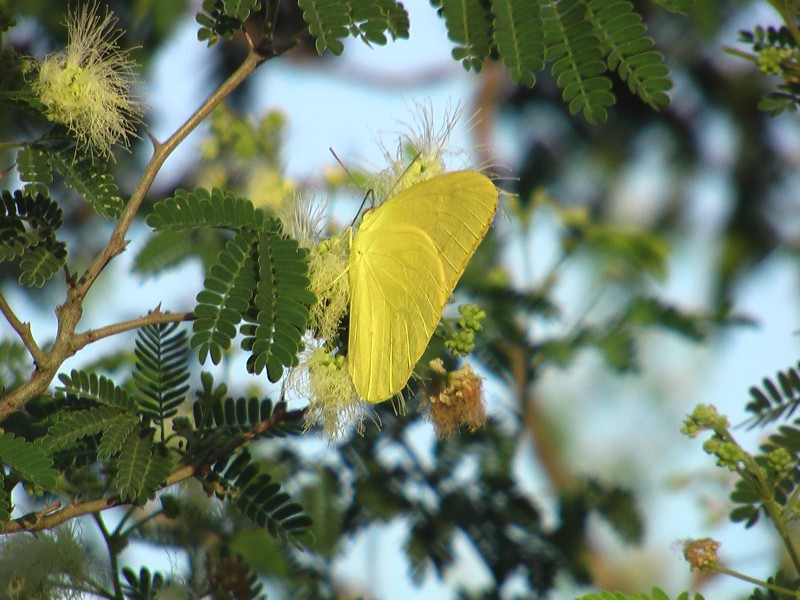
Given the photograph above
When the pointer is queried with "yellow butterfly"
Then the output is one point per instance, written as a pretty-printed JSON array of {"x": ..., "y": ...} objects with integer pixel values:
[{"x": 405, "y": 260}]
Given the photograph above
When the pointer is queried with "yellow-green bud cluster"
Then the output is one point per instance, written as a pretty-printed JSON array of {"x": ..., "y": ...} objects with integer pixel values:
[
  {"x": 704, "y": 416},
  {"x": 779, "y": 460},
  {"x": 332, "y": 363},
  {"x": 462, "y": 341},
  {"x": 771, "y": 59},
  {"x": 728, "y": 453}
]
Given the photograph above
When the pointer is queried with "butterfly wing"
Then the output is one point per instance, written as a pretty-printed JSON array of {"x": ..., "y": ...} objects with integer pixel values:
[
  {"x": 395, "y": 287},
  {"x": 407, "y": 257}
]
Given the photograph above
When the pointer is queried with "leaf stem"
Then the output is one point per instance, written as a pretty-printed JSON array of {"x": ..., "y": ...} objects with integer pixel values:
[
  {"x": 753, "y": 472},
  {"x": 775, "y": 514},
  {"x": 740, "y": 53},
  {"x": 782, "y": 591},
  {"x": 112, "y": 553}
]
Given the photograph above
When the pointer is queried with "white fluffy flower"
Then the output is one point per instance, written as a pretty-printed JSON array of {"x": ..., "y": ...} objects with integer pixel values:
[{"x": 87, "y": 86}]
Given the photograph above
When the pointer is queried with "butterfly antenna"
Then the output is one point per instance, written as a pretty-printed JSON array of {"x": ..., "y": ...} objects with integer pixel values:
[
  {"x": 341, "y": 164},
  {"x": 403, "y": 174},
  {"x": 369, "y": 193}
]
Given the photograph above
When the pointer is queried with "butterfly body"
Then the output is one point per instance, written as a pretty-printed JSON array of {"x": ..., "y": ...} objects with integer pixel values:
[{"x": 405, "y": 260}]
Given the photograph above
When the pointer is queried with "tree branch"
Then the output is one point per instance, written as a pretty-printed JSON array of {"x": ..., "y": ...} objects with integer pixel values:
[
  {"x": 69, "y": 313},
  {"x": 154, "y": 318},
  {"x": 23, "y": 330}
]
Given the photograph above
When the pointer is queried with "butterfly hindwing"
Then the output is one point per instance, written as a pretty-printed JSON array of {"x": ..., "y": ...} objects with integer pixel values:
[
  {"x": 398, "y": 260},
  {"x": 406, "y": 258}
]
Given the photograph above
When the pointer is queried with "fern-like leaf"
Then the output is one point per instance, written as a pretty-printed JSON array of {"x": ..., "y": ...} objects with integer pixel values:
[
  {"x": 34, "y": 168},
  {"x": 14, "y": 239},
  {"x": 257, "y": 496},
  {"x": 328, "y": 22},
  {"x": 28, "y": 226},
  {"x": 370, "y": 20},
  {"x": 163, "y": 250},
  {"x": 115, "y": 433},
  {"x": 219, "y": 19},
  {"x": 397, "y": 22},
  {"x": 132, "y": 465},
  {"x": 41, "y": 263},
  {"x": 629, "y": 51},
  {"x": 80, "y": 424},
  {"x": 26, "y": 221},
  {"x": 201, "y": 208},
  {"x": 161, "y": 371},
  {"x": 773, "y": 401},
  {"x": 469, "y": 25},
  {"x": 144, "y": 586},
  {"x": 80, "y": 385},
  {"x": 331, "y": 21},
  {"x": 159, "y": 466},
  {"x": 282, "y": 303},
  {"x": 749, "y": 503},
  {"x": 242, "y": 415},
  {"x": 228, "y": 290},
  {"x": 91, "y": 179},
  {"x": 577, "y": 60},
  {"x": 240, "y": 9},
  {"x": 27, "y": 459},
  {"x": 518, "y": 37},
  {"x": 41, "y": 213}
]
